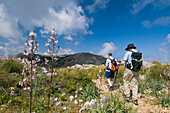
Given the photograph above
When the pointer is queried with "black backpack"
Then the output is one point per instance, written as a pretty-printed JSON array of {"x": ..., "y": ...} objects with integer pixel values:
[{"x": 136, "y": 61}]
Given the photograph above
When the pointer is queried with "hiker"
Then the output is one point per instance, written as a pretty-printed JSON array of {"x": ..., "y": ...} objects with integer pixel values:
[
  {"x": 110, "y": 68},
  {"x": 133, "y": 61}
]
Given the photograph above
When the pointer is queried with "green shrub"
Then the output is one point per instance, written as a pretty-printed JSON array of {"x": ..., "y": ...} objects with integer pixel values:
[
  {"x": 158, "y": 70},
  {"x": 89, "y": 93},
  {"x": 12, "y": 66},
  {"x": 165, "y": 101},
  {"x": 112, "y": 104}
]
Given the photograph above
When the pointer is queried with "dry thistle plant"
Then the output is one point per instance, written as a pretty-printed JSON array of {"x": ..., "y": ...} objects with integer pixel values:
[
  {"x": 53, "y": 42},
  {"x": 30, "y": 65}
]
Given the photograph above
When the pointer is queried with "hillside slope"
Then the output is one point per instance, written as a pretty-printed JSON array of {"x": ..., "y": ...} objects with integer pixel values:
[{"x": 70, "y": 60}]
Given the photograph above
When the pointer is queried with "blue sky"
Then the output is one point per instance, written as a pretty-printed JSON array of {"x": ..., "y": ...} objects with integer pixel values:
[{"x": 96, "y": 26}]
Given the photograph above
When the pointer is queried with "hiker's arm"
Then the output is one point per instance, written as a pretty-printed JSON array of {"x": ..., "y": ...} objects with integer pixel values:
[
  {"x": 142, "y": 63},
  {"x": 106, "y": 65},
  {"x": 105, "y": 68},
  {"x": 123, "y": 62}
]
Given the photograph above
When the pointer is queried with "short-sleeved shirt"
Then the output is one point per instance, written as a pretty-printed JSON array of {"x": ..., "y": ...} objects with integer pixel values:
[
  {"x": 127, "y": 58},
  {"x": 108, "y": 63}
]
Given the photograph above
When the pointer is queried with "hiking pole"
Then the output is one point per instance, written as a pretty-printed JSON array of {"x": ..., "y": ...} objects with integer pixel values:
[{"x": 115, "y": 79}]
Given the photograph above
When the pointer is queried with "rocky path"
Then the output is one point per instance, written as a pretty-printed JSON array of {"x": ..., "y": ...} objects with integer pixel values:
[{"x": 145, "y": 103}]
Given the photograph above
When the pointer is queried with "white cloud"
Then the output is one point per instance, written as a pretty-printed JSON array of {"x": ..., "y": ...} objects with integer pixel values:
[
  {"x": 147, "y": 24},
  {"x": 76, "y": 43},
  {"x": 162, "y": 21},
  {"x": 107, "y": 48},
  {"x": 139, "y": 5},
  {"x": 44, "y": 32},
  {"x": 19, "y": 17},
  {"x": 68, "y": 38},
  {"x": 46, "y": 53},
  {"x": 8, "y": 24},
  {"x": 65, "y": 51},
  {"x": 164, "y": 49},
  {"x": 97, "y": 4},
  {"x": 1, "y": 47},
  {"x": 67, "y": 21},
  {"x": 168, "y": 38}
]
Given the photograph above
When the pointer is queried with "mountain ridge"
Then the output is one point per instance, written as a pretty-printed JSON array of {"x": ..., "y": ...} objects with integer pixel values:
[{"x": 70, "y": 60}]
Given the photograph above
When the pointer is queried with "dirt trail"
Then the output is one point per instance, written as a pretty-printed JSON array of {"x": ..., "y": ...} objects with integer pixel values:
[{"x": 144, "y": 102}]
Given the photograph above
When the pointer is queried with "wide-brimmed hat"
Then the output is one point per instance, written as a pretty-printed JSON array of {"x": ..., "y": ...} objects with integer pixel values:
[{"x": 130, "y": 46}]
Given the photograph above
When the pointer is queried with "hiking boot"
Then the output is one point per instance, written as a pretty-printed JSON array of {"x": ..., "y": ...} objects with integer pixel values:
[
  {"x": 127, "y": 98},
  {"x": 136, "y": 102},
  {"x": 111, "y": 88}
]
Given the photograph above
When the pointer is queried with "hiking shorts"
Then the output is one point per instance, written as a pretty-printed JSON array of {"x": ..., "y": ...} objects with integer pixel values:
[{"x": 109, "y": 74}]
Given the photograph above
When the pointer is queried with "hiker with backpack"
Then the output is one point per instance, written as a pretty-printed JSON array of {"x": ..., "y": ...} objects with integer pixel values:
[
  {"x": 133, "y": 62},
  {"x": 110, "y": 68}
]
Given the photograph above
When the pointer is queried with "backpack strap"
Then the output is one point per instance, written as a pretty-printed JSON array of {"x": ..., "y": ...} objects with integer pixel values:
[
  {"x": 135, "y": 52},
  {"x": 112, "y": 60}
]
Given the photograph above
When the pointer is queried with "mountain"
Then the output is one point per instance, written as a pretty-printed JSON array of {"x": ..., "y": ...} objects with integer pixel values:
[{"x": 70, "y": 60}]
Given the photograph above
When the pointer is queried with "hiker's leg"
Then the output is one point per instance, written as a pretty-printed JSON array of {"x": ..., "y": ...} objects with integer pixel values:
[
  {"x": 126, "y": 79},
  {"x": 111, "y": 77},
  {"x": 109, "y": 81},
  {"x": 134, "y": 84}
]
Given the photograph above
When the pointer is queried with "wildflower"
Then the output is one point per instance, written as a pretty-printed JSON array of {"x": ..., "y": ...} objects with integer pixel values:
[
  {"x": 32, "y": 34},
  {"x": 55, "y": 59},
  {"x": 46, "y": 60},
  {"x": 33, "y": 77},
  {"x": 80, "y": 88},
  {"x": 12, "y": 91},
  {"x": 31, "y": 40},
  {"x": 160, "y": 75},
  {"x": 37, "y": 59},
  {"x": 20, "y": 83},
  {"x": 53, "y": 32},
  {"x": 58, "y": 48},
  {"x": 80, "y": 100},
  {"x": 56, "y": 41},
  {"x": 63, "y": 94},
  {"x": 28, "y": 88},
  {"x": 55, "y": 99},
  {"x": 25, "y": 52},
  {"x": 51, "y": 37},
  {"x": 25, "y": 79},
  {"x": 49, "y": 50},
  {"x": 75, "y": 102},
  {"x": 100, "y": 71},
  {"x": 26, "y": 43},
  {"x": 54, "y": 54},
  {"x": 34, "y": 69},
  {"x": 24, "y": 88},
  {"x": 76, "y": 96},
  {"x": 64, "y": 108},
  {"x": 47, "y": 44},
  {"x": 49, "y": 40},
  {"x": 164, "y": 72},
  {"x": 71, "y": 98}
]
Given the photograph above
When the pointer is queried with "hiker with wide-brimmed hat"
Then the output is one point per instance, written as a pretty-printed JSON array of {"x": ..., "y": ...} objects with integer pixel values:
[{"x": 133, "y": 61}]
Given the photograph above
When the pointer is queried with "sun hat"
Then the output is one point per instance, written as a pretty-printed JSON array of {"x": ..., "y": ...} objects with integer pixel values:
[{"x": 130, "y": 46}]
